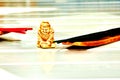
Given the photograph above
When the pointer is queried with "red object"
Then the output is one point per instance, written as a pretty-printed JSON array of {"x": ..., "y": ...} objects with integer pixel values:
[{"x": 17, "y": 30}]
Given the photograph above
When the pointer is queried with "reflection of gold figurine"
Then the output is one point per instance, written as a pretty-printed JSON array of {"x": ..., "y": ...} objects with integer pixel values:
[{"x": 45, "y": 36}]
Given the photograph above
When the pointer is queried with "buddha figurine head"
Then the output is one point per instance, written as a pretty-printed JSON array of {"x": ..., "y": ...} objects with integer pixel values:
[{"x": 45, "y": 27}]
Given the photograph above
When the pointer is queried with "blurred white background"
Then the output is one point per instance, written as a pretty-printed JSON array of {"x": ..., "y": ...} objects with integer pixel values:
[{"x": 23, "y": 60}]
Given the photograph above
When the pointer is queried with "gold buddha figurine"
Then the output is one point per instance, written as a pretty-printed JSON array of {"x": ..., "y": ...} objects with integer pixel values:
[{"x": 45, "y": 36}]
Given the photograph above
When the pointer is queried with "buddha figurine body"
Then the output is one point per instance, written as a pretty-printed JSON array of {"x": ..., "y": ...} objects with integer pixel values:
[{"x": 45, "y": 36}]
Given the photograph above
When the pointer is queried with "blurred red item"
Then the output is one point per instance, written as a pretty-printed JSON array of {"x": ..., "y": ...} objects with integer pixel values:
[{"x": 17, "y": 30}]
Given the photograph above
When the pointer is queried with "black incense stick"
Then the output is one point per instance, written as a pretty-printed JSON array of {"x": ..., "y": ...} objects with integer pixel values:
[{"x": 92, "y": 36}]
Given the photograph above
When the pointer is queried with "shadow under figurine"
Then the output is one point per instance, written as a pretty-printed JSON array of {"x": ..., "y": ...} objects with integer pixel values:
[{"x": 45, "y": 36}]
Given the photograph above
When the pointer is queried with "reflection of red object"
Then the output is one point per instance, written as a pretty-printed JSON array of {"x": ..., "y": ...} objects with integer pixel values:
[{"x": 17, "y": 30}]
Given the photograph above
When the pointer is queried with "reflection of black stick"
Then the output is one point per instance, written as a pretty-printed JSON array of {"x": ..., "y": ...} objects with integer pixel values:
[
  {"x": 81, "y": 47},
  {"x": 92, "y": 36}
]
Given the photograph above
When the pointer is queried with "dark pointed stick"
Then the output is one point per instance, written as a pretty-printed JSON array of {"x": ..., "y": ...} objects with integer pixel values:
[{"x": 93, "y": 39}]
